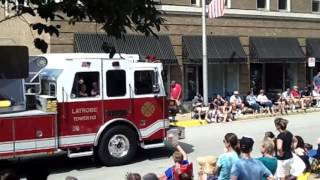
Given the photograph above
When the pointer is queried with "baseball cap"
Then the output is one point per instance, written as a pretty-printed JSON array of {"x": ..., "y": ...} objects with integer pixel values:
[
  {"x": 246, "y": 143},
  {"x": 236, "y": 92}
]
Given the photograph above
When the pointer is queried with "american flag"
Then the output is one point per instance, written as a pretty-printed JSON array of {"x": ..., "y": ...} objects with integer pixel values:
[
  {"x": 86, "y": 64},
  {"x": 216, "y": 8}
]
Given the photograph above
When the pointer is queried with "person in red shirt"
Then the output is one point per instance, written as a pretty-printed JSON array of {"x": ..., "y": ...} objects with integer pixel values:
[
  {"x": 296, "y": 97},
  {"x": 176, "y": 92}
]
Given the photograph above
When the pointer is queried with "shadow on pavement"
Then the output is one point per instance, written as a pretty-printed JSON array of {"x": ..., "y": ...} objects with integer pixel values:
[{"x": 36, "y": 168}]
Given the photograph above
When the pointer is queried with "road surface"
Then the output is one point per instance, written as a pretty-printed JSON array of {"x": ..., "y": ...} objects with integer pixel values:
[{"x": 200, "y": 141}]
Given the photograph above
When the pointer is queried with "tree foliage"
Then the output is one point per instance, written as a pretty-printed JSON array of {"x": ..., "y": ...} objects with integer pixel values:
[{"x": 115, "y": 16}]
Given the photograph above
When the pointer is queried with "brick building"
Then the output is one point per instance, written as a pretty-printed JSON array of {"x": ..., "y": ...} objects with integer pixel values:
[{"x": 258, "y": 43}]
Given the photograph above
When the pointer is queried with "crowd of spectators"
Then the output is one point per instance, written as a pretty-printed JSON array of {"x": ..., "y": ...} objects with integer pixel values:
[
  {"x": 224, "y": 109},
  {"x": 283, "y": 157}
]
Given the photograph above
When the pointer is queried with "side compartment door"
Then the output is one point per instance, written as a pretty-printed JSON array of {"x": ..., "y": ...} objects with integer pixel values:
[
  {"x": 149, "y": 103},
  {"x": 34, "y": 134},
  {"x": 6, "y": 137}
]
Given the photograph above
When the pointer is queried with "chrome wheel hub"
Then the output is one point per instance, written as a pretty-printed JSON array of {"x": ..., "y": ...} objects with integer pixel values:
[{"x": 118, "y": 146}]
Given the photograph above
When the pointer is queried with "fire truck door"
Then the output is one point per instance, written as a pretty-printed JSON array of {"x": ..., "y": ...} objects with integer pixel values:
[
  {"x": 117, "y": 102},
  {"x": 82, "y": 110},
  {"x": 6, "y": 136},
  {"x": 148, "y": 103}
]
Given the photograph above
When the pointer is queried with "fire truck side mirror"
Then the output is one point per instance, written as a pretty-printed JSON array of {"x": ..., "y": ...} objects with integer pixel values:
[
  {"x": 156, "y": 88},
  {"x": 155, "y": 84}
]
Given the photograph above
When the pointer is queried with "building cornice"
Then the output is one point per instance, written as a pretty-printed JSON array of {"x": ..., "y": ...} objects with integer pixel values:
[{"x": 190, "y": 10}]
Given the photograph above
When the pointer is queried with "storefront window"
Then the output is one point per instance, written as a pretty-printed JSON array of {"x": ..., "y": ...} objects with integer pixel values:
[
  {"x": 191, "y": 82},
  {"x": 256, "y": 77},
  {"x": 291, "y": 75}
]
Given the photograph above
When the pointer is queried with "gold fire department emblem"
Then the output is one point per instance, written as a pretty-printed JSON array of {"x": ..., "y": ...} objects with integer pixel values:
[{"x": 147, "y": 109}]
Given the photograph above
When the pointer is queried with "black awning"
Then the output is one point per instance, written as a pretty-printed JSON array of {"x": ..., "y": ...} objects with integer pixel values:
[
  {"x": 313, "y": 48},
  {"x": 275, "y": 50},
  {"x": 160, "y": 46},
  {"x": 220, "y": 49}
]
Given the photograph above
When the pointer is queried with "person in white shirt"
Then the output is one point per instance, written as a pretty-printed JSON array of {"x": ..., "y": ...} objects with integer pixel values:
[
  {"x": 265, "y": 102},
  {"x": 236, "y": 102}
]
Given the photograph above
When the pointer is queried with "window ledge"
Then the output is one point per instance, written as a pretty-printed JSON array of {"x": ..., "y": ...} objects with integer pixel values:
[{"x": 189, "y": 10}]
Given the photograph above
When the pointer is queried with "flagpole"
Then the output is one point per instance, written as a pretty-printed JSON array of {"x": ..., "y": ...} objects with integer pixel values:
[{"x": 204, "y": 54}]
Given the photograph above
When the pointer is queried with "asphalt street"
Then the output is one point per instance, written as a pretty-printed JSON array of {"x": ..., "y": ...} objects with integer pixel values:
[{"x": 200, "y": 141}]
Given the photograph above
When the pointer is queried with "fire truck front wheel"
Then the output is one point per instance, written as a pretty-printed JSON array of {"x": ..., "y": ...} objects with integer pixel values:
[{"x": 117, "y": 146}]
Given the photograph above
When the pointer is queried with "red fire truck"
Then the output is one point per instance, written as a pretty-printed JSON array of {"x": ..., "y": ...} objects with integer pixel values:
[{"x": 84, "y": 104}]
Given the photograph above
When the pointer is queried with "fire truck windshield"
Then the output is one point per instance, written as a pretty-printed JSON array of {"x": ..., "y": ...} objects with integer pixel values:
[{"x": 51, "y": 74}]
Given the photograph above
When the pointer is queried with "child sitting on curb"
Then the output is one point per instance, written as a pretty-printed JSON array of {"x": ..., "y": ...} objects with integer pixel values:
[{"x": 181, "y": 164}]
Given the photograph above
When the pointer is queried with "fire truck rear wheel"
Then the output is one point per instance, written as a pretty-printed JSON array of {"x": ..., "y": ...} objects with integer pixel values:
[{"x": 118, "y": 146}]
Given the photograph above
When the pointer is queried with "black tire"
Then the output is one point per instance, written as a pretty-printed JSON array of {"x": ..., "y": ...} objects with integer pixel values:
[{"x": 103, "y": 153}]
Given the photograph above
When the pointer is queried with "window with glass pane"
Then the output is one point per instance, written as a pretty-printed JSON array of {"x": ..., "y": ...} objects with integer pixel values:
[
  {"x": 261, "y": 4},
  {"x": 143, "y": 82},
  {"x": 85, "y": 84},
  {"x": 316, "y": 6},
  {"x": 116, "y": 83},
  {"x": 283, "y": 4}
]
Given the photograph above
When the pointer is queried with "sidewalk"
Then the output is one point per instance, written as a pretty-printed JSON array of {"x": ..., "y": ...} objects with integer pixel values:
[{"x": 184, "y": 120}]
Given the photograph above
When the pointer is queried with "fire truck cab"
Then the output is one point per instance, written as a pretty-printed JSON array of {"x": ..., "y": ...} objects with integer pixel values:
[{"x": 87, "y": 104}]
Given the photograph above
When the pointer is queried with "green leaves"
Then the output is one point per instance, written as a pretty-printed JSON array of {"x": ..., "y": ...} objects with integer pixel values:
[
  {"x": 114, "y": 15},
  {"x": 40, "y": 28}
]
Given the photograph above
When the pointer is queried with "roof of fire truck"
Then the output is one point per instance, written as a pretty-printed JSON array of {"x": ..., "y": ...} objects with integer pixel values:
[
  {"x": 59, "y": 59},
  {"x": 69, "y": 56}
]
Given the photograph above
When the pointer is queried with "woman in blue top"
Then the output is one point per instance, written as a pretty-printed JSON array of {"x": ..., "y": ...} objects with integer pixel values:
[{"x": 227, "y": 159}]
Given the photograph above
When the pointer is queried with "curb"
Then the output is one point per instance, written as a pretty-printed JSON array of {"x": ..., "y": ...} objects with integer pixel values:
[
  {"x": 186, "y": 122},
  {"x": 189, "y": 123}
]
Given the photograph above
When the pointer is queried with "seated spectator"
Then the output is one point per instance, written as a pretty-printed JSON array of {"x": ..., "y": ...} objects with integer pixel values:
[
  {"x": 287, "y": 94},
  {"x": 267, "y": 159},
  {"x": 236, "y": 102},
  {"x": 208, "y": 168},
  {"x": 252, "y": 102},
  {"x": 248, "y": 168},
  {"x": 212, "y": 114},
  {"x": 300, "y": 150},
  {"x": 227, "y": 159},
  {"x": 296, "y": 97},
  {"x": 219, "y": 101},
  {"x": 306, "y": 95},
  {"x": 95, "y": 89},
  {"x": 181, "y": 165},
  {"x": 215, "y": 114},
  {"x": 197, "y": 101},
  {"x": 227, "y": 112},
  {"x": 198, "y": 107},
  {"x": 263, "y": 100},
  {"x": 282, "y": 104}
]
